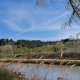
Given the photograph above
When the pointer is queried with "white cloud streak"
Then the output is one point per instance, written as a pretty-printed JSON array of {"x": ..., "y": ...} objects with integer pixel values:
[
  {"x": 48, "y": 25},
  {"x": 11, "y": 25}
]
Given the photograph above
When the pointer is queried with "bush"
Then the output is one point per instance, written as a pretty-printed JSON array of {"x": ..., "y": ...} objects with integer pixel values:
[
  {"x": 5, "y": 75},
  {"x": 57, "y": 47},
  {"x": 0, "y": 51},
  {"x": 7, "y": 49}
]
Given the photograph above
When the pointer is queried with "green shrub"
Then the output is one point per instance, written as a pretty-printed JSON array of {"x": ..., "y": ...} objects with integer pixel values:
[
  {"x": 57, "y": 47},
  {"x": 0, "y": 50},
  {"x": 5, "y": 75}
]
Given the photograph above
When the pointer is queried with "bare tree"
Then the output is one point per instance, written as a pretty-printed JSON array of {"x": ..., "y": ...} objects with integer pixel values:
[{"x": 74, "y": 5}]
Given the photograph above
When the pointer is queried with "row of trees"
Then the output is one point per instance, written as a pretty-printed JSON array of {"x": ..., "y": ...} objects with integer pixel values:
[
  {"x": 24, "y": 43},
  {"x": 29, "y": 43}
]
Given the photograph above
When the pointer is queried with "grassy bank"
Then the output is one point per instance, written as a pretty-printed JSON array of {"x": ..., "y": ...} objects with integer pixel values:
[
  {"x": 46, "y": 58},
  {"x": 44, "y": 55},
  {"x": 10, "y": 74},
  {"x": 6, "y": 75}
]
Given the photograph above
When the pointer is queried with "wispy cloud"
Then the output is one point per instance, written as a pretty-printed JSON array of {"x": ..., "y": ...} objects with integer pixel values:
[
  {"x": 56, "y": 18},
  {"x": 11, "y": 25},
  {"x": 15, "y": 16},
  {"x": 48, "y": 25},
  {"x": 21, "y": 17},
  {"x": 53, "y": 37},
  {"x": 18, "y": 14}
]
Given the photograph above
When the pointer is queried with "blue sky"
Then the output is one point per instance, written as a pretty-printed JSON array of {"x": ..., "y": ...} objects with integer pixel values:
[{"x": 21, "y": 19}]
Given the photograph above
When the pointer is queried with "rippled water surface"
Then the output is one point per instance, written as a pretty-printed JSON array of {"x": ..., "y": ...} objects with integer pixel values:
[{"x": 46, "y": 72}]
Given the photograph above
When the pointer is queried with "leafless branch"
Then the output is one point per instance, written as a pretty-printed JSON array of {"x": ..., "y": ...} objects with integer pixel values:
[{"x": 73, "y": 4}]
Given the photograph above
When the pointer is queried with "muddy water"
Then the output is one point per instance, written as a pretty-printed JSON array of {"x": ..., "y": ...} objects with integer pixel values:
[{"x": 46, "y": 72}]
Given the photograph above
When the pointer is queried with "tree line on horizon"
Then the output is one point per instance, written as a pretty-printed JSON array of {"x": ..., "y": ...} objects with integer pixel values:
[{"x": 30, "y": 43}]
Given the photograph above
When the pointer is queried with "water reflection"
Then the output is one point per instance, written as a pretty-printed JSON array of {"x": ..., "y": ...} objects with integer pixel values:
[{"x": 46, "y": 72}]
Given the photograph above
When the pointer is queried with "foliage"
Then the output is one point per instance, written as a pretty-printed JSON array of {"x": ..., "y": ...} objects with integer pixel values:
[
  {"x": 57, "y": 47},
  {"x": 0, "y": 50},
  {"x": 7, "y": 49},
  {"x": 6, "y": 75}
]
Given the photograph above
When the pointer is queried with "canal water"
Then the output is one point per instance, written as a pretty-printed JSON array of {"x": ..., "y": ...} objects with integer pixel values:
[{"x": 46, "y": 72}]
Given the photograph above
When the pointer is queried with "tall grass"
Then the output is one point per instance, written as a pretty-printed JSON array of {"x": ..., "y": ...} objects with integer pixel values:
[{"x": 6, "y": 75}]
